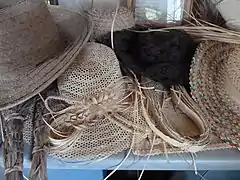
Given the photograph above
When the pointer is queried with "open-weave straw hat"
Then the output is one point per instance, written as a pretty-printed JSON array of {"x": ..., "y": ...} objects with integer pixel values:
[
  {"x": 103, "y": 20},
  {"x": 177, "y": 120},
  {"x": 99, "y": 120},
  {"x": 37, "y": 44},
  {"x": 214, "y": 80}
]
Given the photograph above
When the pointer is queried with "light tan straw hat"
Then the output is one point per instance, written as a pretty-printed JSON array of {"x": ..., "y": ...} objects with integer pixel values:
[
  {"x": 37, "y": 44},
  {"x": 103, "y": 20},
  {"x": 99, "y": 119},
  {"x": 177, "y": 120},
  {"x": 214, "y": 80}
]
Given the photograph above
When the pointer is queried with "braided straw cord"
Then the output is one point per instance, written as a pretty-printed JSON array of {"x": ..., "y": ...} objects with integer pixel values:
[
  {"x": 98, "y": 118},
  {"x": 39, "y": 155},
  {"x": 102, "y": 111},
  {"x": 13, "y": 145}
]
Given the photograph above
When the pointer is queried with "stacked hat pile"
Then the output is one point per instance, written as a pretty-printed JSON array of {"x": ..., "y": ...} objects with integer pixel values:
[
  {"x": 37, "y": 44},
  {"x": 93, "y": 110}
]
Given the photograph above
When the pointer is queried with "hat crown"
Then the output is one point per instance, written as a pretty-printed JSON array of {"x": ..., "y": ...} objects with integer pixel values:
[
  {"x": 28, "y": 36},
  {"x": 95, "y": 68}
]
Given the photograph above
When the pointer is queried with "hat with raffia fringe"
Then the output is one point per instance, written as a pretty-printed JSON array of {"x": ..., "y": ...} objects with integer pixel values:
[
  {"x": 214, "y": 79},
  {"x": 99, "y": 118},
  {"x": 103, "y": 20},
  {"x": 176, "y": 119},
  {"x": 37, "y": 44}
]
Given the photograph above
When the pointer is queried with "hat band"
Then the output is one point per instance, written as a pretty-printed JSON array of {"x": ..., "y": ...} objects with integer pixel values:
[{"x": 86, "y": 111}]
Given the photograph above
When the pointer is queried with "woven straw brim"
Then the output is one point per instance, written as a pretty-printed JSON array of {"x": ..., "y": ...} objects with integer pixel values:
[
  {"x": 105, "y": 138},
  {"x": 208, "y": 77},
  {"x": 162, "y": 148},
  {"x": 74, "y": 30}
]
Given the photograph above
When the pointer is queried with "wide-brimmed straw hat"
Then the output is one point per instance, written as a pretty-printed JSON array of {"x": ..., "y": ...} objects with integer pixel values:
[
  {"x": 214, "y": 80},
  {"x": 176, "y": 119},
  {"x": 99, "y": 119},
  {"x": 103, "y": 20},
  {"x": 37, "y": 44}
]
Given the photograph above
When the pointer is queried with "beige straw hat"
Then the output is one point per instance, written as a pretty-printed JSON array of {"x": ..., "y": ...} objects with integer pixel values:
[
  {"x": 99, "y": 120},
  {"x": 37, "y": 44},
  {"x": 177, "y": 120},
  {"x": 214, "y": 80},
  {"x": 103, "y": 20}
]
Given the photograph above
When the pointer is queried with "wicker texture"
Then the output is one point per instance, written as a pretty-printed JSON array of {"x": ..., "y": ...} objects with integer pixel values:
[
  {"x": 36, "y": 47},
  {"x": 214, "y": 90},
  {"x": 103, "y": 20}
]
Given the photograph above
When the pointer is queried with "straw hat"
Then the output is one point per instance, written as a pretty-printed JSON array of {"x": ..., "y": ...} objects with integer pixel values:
[
  {"x": 214, "y": 80},
  {"x": 37, "y": 44},
  {"x": 177, "y": 120},
  {"x": 99, "y": 120},
  {"x": 103, "y": 20}
]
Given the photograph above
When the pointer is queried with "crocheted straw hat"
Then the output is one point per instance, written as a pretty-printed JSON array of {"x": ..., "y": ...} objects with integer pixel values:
[
  {"x": 99, "y": 120},
  {"x": 37, "y": 44},
  {"x": 214, "y": 80},
  {"x": 103, "y": 20},
  {"x": 177, "y": 120}
]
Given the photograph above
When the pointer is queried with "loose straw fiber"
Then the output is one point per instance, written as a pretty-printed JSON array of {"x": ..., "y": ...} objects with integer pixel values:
[
  {"x": 181, "y": 127},
  {"x": 208, "y": 27}
]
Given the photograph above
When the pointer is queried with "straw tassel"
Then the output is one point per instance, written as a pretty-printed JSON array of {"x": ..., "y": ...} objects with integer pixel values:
[
  {"x": 13, "y": 145},
  {"x": 39, "y": 156}
]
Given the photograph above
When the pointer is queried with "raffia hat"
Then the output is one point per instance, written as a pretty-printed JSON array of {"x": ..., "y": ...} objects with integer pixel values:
[
  {"x": 177, "y": 120},
  {"x": 37, "y": 44},
  {"x": 103, "y": 20},
  {"x": 214, "y": 79},
  {"x": 99, "y": 120}
]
